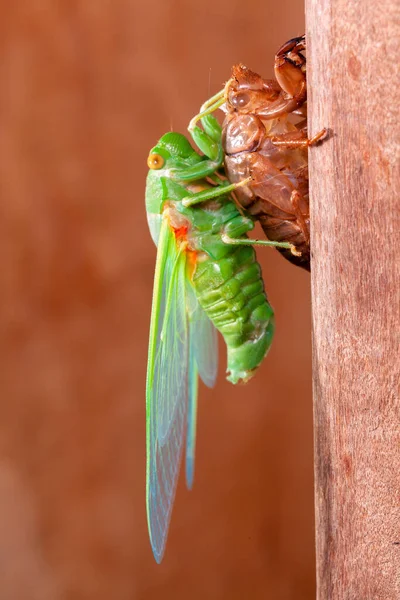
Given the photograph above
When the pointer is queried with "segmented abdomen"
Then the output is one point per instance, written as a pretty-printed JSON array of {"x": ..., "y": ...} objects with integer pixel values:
[{"x": 231, "y": 291}]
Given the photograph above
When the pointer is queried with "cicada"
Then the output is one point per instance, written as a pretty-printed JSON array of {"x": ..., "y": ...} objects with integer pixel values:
[
  {"x": 264, "y": 140},
  {"x": 207, "y": 278}
]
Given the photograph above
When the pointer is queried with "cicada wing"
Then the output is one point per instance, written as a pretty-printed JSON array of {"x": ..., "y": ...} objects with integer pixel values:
[
  {"x": 203, "y": 361},
  {"x": 193, "y": 381},
  {"x": 167, "y": 374},
  {"x": 166, "y": 387},
  {"x": 204, "y": 339}
]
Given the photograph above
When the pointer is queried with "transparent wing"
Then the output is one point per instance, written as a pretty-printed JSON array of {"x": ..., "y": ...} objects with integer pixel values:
[
  {"x": 193, "y": 385},
  {"x": 203, "y": 361},
  {"x": 167, "y": 386},
  {"x": 204, "y": 339}
]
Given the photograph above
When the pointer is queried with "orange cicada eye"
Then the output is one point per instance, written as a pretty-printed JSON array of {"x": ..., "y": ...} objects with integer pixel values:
[{"x": 155, "y": 161}]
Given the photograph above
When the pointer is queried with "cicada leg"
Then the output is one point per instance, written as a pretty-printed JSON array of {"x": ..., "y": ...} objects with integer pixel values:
[
  {"x": 239, "y": 226},
  {"x": 298, "y": 139},
  {"x": 205, "y": 168},
  {"x": 250, "y": 242},
  {"x": 209, "y": 141},
  {"x": 290, "y": 68},
  {"x": 208, "y": 138},
  {"x": 208, "y": 107},
  {"x": 295, "y": 200},
  {"x": 290, "y": 73},
  {"x": 221, "y": 190}
]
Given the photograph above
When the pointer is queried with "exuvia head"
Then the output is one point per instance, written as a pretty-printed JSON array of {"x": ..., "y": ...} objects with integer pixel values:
[
  {"x": 172, "y": 150},
  {"x": 247, "y": 92}
]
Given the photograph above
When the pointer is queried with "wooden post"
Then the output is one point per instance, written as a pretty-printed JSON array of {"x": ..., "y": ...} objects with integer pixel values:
[{"x": 353, "y": 75}]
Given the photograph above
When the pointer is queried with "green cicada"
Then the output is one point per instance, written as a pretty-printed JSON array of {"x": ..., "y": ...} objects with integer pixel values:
[{"x": 207, "y": 278}]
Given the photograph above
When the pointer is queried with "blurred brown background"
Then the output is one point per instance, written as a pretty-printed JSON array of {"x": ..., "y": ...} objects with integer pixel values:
[{"x": 87, "y": 87}]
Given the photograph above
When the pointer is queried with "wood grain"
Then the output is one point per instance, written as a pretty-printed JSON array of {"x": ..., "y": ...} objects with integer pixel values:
[{"x": 355, "y": 180}]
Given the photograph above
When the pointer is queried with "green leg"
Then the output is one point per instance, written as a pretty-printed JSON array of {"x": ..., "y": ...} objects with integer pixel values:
[
  {"x": 213, "y": 151},
  {"x": 247, "y": 242},
  {"x": 203, "y": 169},
  {"x": 212, "y": 128},
  {"x": 209, "y": 146},
  {"x": 208, "y": 108},
  {"x": 209, "y": 142},
  {"x": 221, "y": 190},
  {"x": 208, "y": 139}
]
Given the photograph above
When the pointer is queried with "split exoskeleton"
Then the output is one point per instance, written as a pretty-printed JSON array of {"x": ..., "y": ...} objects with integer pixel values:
[{"x": 264, "y": 141}]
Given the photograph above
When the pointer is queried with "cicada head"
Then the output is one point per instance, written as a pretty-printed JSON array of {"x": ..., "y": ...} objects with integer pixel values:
[
  {"x": 171, "y": 154},
  {"x": 247, "y": 92},
  {"x": 172, "y": 151}
]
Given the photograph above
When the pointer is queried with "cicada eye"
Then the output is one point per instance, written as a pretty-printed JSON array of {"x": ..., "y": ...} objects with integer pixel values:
[
  {"x": 155, "y": 161},
  {"x": 239, "y": 100}
]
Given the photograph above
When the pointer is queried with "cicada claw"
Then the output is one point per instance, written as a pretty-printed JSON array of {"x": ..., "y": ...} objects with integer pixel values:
[{"x": 294, "y": 251}]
